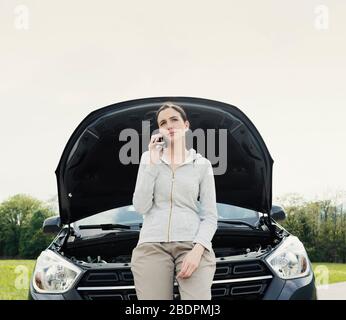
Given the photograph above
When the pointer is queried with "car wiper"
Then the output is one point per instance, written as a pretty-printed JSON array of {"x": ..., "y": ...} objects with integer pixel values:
[
  {"x": 238, "y": 222},
  {"x": 106, "y": 226}
]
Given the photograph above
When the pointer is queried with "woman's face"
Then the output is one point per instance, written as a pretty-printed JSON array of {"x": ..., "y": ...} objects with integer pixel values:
[{"x": 171, "y": 124}]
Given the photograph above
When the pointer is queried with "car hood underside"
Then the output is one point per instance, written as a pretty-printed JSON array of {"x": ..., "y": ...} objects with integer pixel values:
[{"x": 91, "y": 178}]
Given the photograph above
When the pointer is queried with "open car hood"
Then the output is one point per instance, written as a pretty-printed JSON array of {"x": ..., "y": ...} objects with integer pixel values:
[{"x": 91, "y": 178}]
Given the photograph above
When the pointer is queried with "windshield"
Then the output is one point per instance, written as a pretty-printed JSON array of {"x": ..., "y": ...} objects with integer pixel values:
[{"x": 127, "y": 215}]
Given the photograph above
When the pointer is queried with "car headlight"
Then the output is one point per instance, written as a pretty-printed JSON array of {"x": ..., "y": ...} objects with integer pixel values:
[
  {"x": 290, "y": 259},
  {"x": 53, "y": 273}
]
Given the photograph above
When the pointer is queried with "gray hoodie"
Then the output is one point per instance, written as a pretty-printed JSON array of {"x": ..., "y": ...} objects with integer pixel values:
[{"x": 169, "y": 200}]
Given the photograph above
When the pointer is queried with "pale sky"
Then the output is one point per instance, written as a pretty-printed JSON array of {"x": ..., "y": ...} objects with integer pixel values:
[{"x": 281, "y": 62}]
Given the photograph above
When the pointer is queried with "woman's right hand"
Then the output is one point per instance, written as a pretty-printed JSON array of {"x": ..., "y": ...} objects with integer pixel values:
[{"x": 154, "y": 149}]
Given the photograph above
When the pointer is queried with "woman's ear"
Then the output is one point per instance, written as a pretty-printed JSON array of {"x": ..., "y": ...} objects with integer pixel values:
[{"x": 187, "y": 123}]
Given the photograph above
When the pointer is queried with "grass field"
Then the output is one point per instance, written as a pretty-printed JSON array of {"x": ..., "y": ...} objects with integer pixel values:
[
  {"x": 16, "y": 274},
  {"x": 14, "y": 279},
  {"x": 335, "y": 272}
]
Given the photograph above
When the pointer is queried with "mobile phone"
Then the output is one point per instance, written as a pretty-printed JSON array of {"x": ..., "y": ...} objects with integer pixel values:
[{"x": 162, "y": 143}]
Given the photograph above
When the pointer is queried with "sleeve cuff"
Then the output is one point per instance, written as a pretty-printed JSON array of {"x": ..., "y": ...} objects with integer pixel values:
[{"x": 205, "y": 244}]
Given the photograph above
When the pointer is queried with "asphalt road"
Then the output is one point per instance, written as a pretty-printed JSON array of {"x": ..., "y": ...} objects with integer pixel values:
[{"x": 335, "y": 291}]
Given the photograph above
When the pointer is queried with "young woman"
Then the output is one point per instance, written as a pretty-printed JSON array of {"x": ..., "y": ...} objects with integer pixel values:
[{"x": 177, "y": 229}]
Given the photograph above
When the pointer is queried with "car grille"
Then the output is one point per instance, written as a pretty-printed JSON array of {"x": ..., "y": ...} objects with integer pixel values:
[{"x": 232, "y": 281}]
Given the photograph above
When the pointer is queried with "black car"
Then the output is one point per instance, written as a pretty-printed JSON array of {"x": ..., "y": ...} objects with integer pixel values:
[{"x": 98, "y": 227}]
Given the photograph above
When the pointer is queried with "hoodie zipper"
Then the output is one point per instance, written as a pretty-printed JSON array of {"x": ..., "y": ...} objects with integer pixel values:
[{"x": 170, "y": 213}]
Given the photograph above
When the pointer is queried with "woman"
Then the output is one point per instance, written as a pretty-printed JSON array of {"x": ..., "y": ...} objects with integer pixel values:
[{"x": 177, "y": 228}]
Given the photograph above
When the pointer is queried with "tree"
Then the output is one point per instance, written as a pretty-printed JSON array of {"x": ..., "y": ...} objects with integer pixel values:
[
  {"x": 18, "y": 214},
  {"x": 319, "y": 224},
  {"x": 32, "y": 239}
]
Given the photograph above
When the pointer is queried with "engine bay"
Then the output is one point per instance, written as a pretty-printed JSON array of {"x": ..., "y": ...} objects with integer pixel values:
[
  {"x": 116, "y": 247},
  {"x": 235, "y": 253},
  {"x": 120, "y": 252}
]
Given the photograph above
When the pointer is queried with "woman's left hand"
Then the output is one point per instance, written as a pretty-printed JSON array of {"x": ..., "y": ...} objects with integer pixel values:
[{"x": 191, "y": 261}]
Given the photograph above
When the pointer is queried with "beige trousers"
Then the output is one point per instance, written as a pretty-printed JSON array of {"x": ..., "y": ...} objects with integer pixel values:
[{"x": 154, "y": 266}]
